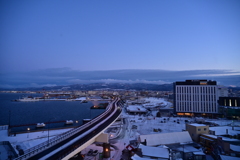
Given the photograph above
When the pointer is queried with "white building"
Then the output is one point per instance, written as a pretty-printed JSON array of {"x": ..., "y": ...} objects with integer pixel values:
[
  {"x": 222, "y": 91},
  {"x": 134, "y": 109},
  {"x": 165, "y": 138},
  {"x": 195, "y": 97}
]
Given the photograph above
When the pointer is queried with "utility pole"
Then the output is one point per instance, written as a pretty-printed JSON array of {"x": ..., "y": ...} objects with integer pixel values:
[
  {"x": 9, "y": 118},
  {"x": 49, "y": 127},
  {"x": 9, "y": 123}
]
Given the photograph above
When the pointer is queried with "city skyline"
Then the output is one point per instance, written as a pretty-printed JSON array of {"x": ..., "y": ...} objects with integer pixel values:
[{"x": 96, "y": 36}]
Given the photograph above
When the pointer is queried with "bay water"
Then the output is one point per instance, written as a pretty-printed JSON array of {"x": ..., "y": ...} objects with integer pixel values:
[{"x": 24, "y": 113}]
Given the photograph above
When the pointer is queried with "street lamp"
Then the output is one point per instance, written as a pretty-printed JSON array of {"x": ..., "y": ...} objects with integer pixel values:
[
  {"x": 28, "y": 129},
  {"x": 49, "y": 127},
  {"x": 76, "y": 123}
]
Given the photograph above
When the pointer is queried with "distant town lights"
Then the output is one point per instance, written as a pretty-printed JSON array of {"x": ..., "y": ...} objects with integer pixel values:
[
  {"x": 28, "y": 129},
  {"x": 76, "y": 121}
]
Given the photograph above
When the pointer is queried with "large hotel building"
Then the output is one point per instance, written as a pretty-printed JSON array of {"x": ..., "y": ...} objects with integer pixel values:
[{"x": 195, "y": 97}]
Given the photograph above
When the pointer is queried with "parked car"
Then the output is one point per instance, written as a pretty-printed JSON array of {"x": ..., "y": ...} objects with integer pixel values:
[
  {"x": 90, "y": 152},
  {"x": 95, "y": 153}
]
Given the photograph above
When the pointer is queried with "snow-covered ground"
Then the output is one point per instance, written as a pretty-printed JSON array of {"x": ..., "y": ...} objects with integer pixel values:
[
  {"x": 153, "y": 102},
  {"x": 28, "y": 140},
  {"x": 120, "y": 133}
]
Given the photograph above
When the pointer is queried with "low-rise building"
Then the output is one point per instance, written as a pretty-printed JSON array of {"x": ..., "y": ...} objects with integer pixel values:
[
  {"x": 179, "y": 145},
  {"x": 216, "y": 140},
  {"x": 226, "y": 131},
  {"x": 165, "y": 138},
  {"x": 186, "y": 151},
  {"x": 220, "y": 145},
  {"x": 195, "y": 130}
]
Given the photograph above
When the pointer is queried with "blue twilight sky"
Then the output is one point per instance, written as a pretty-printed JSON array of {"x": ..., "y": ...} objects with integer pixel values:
[{"x": 103, "y": 35}]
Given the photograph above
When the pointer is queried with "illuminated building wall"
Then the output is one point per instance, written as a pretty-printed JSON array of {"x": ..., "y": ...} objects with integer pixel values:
[{"x": 195, "y": 96}]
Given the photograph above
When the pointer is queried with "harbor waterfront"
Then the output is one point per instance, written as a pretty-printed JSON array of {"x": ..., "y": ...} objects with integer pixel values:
[{"x": 23, "y": 116}]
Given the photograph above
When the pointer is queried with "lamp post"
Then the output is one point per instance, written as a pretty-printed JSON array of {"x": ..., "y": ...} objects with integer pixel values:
[
  {"x": 49, "y": 127},
  {"x": 90, "y": 113},
  {"x": 76, "y": 123},
  {"x": 28, "y": 129},
  {"x": 183, "y": 152},
  {"x": 9, "y": 123}
]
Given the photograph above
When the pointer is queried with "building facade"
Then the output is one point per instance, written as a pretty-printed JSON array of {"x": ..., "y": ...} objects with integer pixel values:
[
  {"x": 229, "y": 107},
  {"x": 195, "y": 97},
  {"x": 195, "y": 130}
]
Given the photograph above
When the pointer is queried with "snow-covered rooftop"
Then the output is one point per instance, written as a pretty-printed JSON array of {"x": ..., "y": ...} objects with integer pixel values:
[
  {"x": 136, "y": 157},
  {"x": 166, "y": 138},
  {"x": 229, "y": 157},
  {"x": 136, "y": 108},
  {"x": 198, "y": 153},
  {"x": 154, "y": 151},
  {"x": 235, "y": 148},
  {"x": 197, "y": 125},
  {"x": 223, "y": 138},
  {"x": 223, "y": 130},
  {"x": 223, "y": 122},
  {"x": 188, "y": 148}
]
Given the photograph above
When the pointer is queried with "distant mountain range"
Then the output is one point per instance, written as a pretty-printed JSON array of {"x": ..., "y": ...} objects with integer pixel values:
[
  {"x": 150, "y": 78},
  {"x": 106, "y": 86},
  {"x": 102, "y": 86}
]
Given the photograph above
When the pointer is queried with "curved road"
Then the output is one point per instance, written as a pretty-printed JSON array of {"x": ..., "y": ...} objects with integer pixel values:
[{"x": 67, "y": 150}]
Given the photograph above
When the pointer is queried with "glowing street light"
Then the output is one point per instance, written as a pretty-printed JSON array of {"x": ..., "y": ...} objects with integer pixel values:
[{"x": 28, "y": 129}]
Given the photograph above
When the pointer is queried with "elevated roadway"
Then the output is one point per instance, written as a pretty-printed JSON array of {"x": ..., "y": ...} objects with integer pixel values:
[{"x": 68, "y": 144}]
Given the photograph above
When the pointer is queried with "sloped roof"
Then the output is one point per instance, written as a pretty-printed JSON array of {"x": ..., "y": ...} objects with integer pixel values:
[
  {"x": 166, "y": 138},
  {"x": 229, "y": 157},
  {"x": 154, "y": 151},
  {"x": 136, "y": 157},
  {"x": 222, "y": 130},
  {"x": 235, "y": 148}
]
